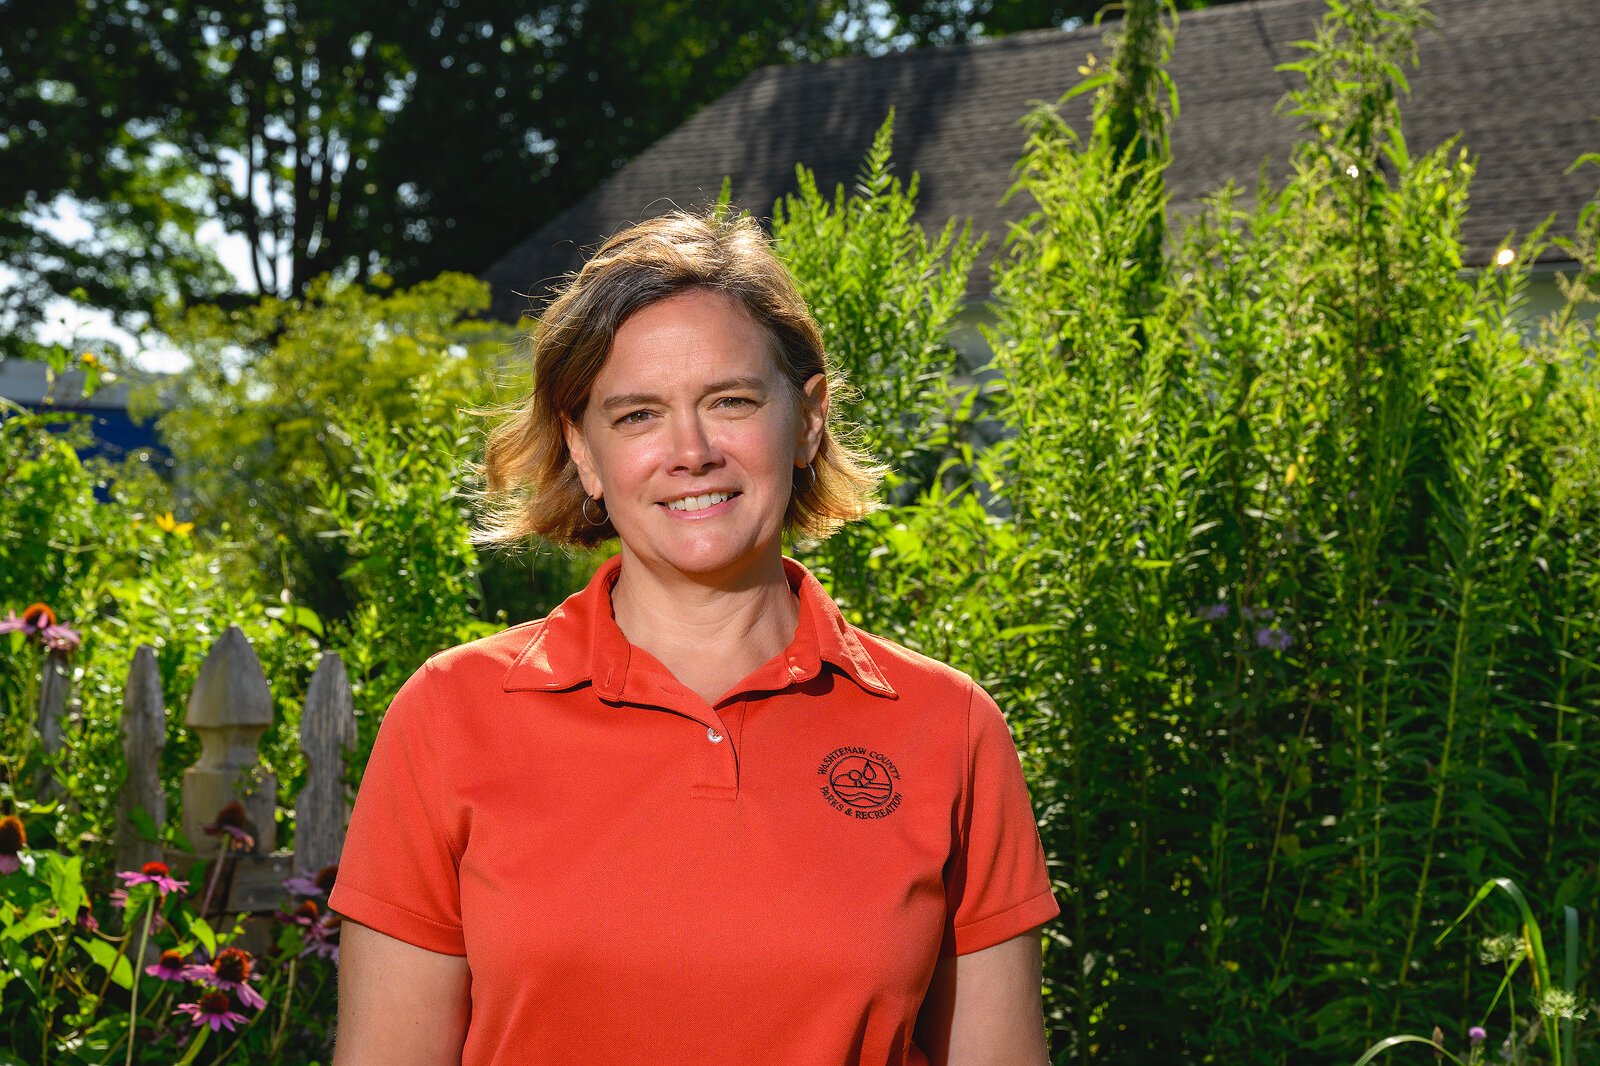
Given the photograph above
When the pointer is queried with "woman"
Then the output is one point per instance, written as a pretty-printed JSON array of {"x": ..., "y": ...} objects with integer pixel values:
[{"x": 693, "y": 816}]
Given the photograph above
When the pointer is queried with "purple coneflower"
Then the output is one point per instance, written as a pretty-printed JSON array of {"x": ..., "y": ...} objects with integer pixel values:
[
  {"x": 324, "y": 939},
  {"x": 39, "y": 623},
  {"x": 170, "y": 967},
  {"x": 214, "y": 1009},
  {"x": 13, "y": 838},
  {"x": 152, "y": 873},
  {"x": 1274, "y": 638},
  {"x": 231, "y": 821},
  {"x": 230, "y": 972},
  {"x": 318, "y": 884},
  {"x": 86, "y": 919},
  {"x": 305, "y": 915}
]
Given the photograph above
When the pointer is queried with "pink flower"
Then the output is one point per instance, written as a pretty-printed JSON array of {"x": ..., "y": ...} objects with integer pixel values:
[
  {"x": 305, "y": 915},
  {"x": 231, "y": 821},
  {"x": 214, "y": 1009},
  {"x": 152, "y": 873},
  {"x": 307, "y": 884},
  {"x": 170, "y": 967},
  {"x": 39, "y": 623},
  {"x": 230, "y": 972},
  {"x": 324, "y": 939}
]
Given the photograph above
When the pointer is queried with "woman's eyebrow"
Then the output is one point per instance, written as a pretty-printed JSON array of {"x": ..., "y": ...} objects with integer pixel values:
[
  {"x": 743, "y": 381},
  {"x": 645, "y": 399},
  {"x": 628, "y": 399}
]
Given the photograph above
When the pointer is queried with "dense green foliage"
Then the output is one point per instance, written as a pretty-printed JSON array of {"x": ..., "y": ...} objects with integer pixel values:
[
  {"x": 283, "y": 371},
  {"x": 944, "y": 21},
  {"x": 1285, "y": 569},
  {"x": 1274, "y": 533}
]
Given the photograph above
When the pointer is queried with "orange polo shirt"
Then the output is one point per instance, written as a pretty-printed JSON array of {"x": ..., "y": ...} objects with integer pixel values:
[{"x": 636, "y": 876}]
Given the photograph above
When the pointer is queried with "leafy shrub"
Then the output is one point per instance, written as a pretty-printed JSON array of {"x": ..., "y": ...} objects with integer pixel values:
[
  {"x": 250, "y": 421},
  {"x": 1284, "y": 566}
]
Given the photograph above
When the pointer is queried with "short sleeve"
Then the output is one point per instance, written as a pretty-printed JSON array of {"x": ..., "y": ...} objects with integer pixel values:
[
  {"x": 997, "y": 886},
  {"x": 398, "y": 872}
]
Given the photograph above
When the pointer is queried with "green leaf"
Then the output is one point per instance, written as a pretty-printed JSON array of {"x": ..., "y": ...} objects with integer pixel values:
[
  {"x": 204, "y": 933},
  {"x": 36, "y": 920},
  {"x": 65, "y": 878},
  {"x": 1541, "y": 964},
  {"x": 107, "y": 958},
  {"x": 297, "y": 615}
]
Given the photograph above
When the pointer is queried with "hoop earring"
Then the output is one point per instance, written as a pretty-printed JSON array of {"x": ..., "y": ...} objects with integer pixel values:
[
  {"x": 604, "y": 516},
  {"x": 812, "y": 470}
]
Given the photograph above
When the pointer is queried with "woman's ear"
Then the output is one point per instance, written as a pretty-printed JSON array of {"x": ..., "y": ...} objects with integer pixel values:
[
  {"x": 813, "y": 422},
  {"x": 578, "y": 448}
]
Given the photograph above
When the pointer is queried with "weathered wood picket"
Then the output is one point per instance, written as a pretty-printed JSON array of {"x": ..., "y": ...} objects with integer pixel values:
[{"x": 229, "y": 709}]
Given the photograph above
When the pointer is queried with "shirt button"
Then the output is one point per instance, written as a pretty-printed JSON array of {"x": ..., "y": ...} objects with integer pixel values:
[{"x": 712, "y": 734}]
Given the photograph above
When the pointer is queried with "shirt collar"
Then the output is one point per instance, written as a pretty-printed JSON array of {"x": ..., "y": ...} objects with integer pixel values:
[{"x": 580, "y": 643}]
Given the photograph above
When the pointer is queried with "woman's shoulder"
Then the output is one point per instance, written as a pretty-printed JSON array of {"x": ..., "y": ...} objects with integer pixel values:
[
  {"x": 461, "y": 690},
  {"x": 484, "y": 661},
  {"x": 912, "y": 671}
]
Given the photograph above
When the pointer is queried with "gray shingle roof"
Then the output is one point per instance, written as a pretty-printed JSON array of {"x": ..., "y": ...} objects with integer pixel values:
[{"x": 1519, "y": 81}]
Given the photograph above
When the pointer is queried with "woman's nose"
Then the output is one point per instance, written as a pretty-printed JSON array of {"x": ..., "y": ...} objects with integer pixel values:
[{"x": 694, "y": 449}]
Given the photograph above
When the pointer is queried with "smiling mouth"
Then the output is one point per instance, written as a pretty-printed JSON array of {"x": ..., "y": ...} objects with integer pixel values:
[{"x": 701, "y": 502}]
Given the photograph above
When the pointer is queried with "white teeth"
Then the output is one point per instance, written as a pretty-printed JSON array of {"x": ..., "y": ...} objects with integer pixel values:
[{"x": 699, "y": 503}]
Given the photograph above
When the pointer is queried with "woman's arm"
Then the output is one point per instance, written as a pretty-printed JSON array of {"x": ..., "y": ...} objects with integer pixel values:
[
  {"x": 983, "y": 1009},
  {"x": 399, "y": 1005}
]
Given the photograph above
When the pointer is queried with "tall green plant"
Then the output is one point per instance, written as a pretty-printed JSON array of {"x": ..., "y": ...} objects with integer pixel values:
[
  {"x": 887, "y": 294},
  {"x": 1284, "y": 568},
  {"x": 401, "y": 511}
]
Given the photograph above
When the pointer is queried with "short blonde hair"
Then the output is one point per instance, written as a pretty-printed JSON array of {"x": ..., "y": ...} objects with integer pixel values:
[{"x": 532, "y": 481}]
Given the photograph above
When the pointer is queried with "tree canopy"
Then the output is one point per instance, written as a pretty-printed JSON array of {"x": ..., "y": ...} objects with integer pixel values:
[{"x": 352, "y": 137}]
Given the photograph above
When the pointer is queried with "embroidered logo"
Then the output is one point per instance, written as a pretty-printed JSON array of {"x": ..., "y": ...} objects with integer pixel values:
[{"x": 860, "y": 783}]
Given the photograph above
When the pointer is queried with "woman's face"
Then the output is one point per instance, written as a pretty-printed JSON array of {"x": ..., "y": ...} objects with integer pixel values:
[{"x": 691, "y": 437}]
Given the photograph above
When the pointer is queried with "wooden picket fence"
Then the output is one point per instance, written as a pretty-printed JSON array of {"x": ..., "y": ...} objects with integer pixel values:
[{"x": 229, "y": 709}]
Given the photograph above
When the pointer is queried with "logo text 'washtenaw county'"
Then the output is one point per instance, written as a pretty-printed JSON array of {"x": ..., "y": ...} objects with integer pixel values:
[{"x": 860, "y": 782}]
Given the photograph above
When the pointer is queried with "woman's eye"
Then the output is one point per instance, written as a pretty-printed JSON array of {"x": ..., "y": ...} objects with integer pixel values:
[
  {"x": 633, "y": 418},
  {"x": 736, "y": 402}
]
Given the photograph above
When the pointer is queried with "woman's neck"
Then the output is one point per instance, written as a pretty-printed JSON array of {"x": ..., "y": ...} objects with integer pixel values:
[{"x": 709, "y": 636}]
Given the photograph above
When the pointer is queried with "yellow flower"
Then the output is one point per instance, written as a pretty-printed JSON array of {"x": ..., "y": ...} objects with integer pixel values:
[
  {"x": 1296, "y": 471},
  {"x": 172, "y": 525},
  {"x": 89, "y": 359}
]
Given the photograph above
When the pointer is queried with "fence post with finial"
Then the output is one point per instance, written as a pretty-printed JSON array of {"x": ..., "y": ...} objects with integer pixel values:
[{"x": 229, "y": 709}]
